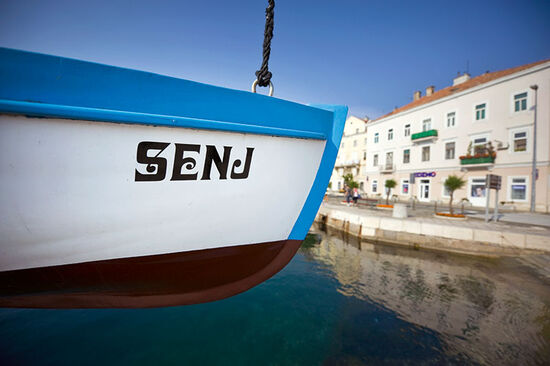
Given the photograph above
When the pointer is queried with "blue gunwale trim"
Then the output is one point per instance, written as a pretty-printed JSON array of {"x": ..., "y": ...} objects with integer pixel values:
[
  {"x": 95, "y": 114},
  {"x": 319, "y": 187},
  {"x": 50, "y": 86}
]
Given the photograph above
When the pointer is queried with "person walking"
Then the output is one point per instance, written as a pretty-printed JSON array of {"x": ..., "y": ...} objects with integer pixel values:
[
  {"x": 356, "y": 196},
  {"x": 348, "y": 195}
]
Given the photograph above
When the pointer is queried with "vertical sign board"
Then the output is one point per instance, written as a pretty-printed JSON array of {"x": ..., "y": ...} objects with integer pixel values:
[{"x": 492, "y": 181}]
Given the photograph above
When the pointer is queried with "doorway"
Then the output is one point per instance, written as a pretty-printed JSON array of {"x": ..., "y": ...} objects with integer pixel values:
[{"x": 424, "y": 190}]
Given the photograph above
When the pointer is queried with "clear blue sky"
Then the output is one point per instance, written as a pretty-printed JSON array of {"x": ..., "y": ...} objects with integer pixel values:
[{"x": 369, "y": 55}]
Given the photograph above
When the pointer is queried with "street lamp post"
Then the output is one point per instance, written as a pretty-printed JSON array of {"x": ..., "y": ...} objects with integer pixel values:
[{"x": 534, "y": 168}]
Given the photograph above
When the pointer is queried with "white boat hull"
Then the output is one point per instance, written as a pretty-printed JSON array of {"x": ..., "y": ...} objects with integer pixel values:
[
  {"x": 122, "y": 188},
  {"x": 69, "y": 193}
]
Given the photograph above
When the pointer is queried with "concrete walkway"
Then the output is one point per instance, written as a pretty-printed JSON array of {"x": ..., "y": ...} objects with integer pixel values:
[
  {"x": 471, "y": 235},
  {"x": 427, "y": 210},
  {"x": 524, "y": 218}
]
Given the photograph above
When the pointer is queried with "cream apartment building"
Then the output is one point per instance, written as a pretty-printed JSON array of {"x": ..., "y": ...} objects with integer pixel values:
[
  {"x": 352, "y": 154},
  {"x": 491, "y": 116}
]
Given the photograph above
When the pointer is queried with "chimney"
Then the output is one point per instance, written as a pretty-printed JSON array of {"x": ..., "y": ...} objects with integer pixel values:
[
  {"x": 417, "y": 94},
  {"x": 430, "y": 90},
  {"x": 461, "y": 78}
]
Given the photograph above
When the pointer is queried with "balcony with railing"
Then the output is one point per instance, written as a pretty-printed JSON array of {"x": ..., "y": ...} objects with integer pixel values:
[
  {"x": 347, "y": 163},
  {"x": 482, "y": 157},
  {"x": 386, "y": 168},
  {"x": 424, "y": 136}
]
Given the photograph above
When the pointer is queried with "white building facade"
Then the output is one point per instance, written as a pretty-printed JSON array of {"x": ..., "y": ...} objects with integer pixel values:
[
  {"x": 477, "y": 126},
  {"x": 352, "y": 155}
]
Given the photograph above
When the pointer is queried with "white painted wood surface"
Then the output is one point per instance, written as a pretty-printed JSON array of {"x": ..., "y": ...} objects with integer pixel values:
[{"x": 68, "y": 193}]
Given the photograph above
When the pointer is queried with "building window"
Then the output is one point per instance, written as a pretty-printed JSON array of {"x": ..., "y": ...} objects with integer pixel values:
[
  {"x": 405, "y": 186},
  {"x": 518, "y": 188},
  {"x": 407, "y": 130},
  {"x": 354, "y": 143},
  {"x": 339, "y": 185},
  {"x": 374, "y": 186},
  {"x": 376, "y": 137},
  {"x": 390, "y": 134},
  {"x": 446, "y": 192},
  {"x": 451, "y": 119},
  {"x": 362, "y": 186},
  {"x": 375, "y": 160},
  {"x": 520, "y": 102},
  {"x": 520, "y": 141},
  {"x": 406, "y": 156},
  {"x": 342, "y": 145},
  {"x": 426, "y": 153},
  {"x": 356, "y": 130},
  {"x": 364, "y": 155},
  {"x": 479, "y": 145},
  {"x": 449, "y": 150},
  {"x": 389, "y": 159},
  {"x": 480, "y": 111},
  {"x": 427, "y": 124}
]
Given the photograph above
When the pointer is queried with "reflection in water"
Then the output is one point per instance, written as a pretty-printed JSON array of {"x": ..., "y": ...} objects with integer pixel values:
[
  {"x": 338, "y": 302},
  {"x": 495, "y": 311}
]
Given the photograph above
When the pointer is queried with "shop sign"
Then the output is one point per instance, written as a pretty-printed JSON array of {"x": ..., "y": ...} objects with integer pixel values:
[{"x": 424, "y": 174}]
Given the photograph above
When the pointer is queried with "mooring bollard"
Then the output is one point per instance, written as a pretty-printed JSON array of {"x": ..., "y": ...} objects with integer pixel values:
[{"x": 400, "y": 210}]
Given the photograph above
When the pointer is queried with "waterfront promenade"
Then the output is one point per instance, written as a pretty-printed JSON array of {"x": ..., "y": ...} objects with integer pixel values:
[{"x": 525, "y": 234}]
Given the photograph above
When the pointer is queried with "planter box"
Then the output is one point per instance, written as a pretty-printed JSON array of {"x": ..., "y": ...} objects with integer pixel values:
[
  {"x": 444, "y": 215},
  {"x": 423, "y": 134},
  {"x": 484, "y": 160}
]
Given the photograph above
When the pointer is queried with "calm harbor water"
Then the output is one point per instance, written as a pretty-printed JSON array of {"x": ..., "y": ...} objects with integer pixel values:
[{"x": 339, "y": 302}]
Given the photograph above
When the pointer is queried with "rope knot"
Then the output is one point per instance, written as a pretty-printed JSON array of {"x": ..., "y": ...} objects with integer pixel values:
[{"x": 264, "y": 75}]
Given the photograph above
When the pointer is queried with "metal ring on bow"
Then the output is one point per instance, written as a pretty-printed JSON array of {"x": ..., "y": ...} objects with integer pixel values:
[{"x": 255, "y": 83}]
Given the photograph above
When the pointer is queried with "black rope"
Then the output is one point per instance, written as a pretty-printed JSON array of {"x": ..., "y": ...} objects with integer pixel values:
[{"x": 264, "y": 75}]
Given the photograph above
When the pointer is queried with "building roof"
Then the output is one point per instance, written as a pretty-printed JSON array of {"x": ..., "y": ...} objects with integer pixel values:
[{"x": 475, "y": 81}]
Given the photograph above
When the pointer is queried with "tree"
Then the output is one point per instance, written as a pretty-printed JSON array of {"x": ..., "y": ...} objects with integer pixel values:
[
  {"x": 452, "y": 183},
  {"x": 390, "y": 183},
  {"x": 348, "y": 180}
]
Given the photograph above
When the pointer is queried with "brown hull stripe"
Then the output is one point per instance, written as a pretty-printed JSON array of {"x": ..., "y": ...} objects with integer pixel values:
[{"x": 148, "y": 281}]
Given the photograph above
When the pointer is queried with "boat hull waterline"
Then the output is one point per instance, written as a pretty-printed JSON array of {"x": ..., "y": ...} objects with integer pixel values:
[{"x": 112, "y": 197}]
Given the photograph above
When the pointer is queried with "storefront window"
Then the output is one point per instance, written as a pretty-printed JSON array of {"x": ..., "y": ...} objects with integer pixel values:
[
  {"x": 477, "y": 188},
  {"x": 405, "y": 186},
  {"x": 374, "y": 186},
  {"x": 518, "y": 189}
]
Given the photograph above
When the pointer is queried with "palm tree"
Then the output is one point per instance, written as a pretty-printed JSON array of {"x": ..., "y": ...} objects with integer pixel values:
[
  {"x": 348, "y": 180},
  {"x": 390, "y": 183},
  {"x": 452, "y": 183}
]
